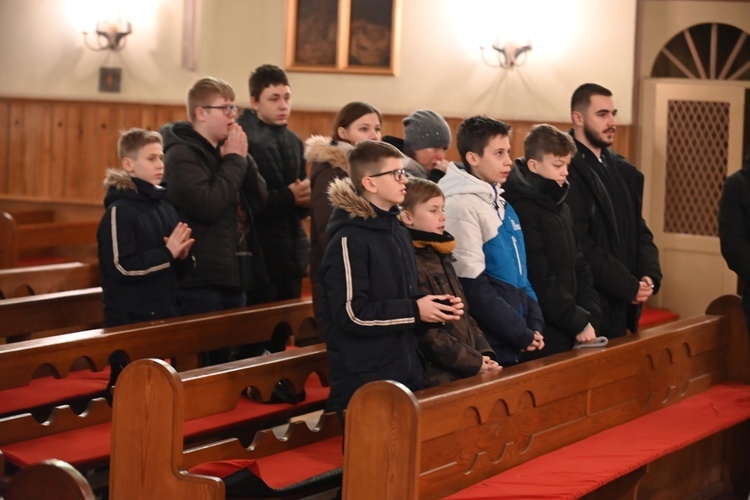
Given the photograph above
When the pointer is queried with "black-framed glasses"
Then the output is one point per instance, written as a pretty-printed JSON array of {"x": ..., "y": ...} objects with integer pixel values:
[
  {"x": 227, "y": 109},
  {"x": 397, "y": 174}
]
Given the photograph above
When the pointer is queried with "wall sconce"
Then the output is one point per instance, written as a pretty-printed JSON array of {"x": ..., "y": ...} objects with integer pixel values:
[
  {"x": 110, "y": 35},
  {"x": 507, "y": 56}
]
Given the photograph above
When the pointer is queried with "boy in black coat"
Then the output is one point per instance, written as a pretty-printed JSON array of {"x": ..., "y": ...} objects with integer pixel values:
[
  {"x": 142, "y": 245},
  {"x": 279, "y": 154},
  {"x": 369, "y": 279},
  {"x": 537, "y": 188}
]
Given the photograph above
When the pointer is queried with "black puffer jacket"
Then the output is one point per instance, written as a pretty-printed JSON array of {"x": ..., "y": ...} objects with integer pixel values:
[
  {"x": 279, "y": 154},
  {"x": 206, "y": 188},
  {"x": 369, "y": 280},
  {"x": 558, "y": 272},
  {"x": 138, "y": 273}
]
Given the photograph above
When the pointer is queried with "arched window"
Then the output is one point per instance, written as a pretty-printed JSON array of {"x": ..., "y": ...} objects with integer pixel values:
[{"x": 709, "y": 51}]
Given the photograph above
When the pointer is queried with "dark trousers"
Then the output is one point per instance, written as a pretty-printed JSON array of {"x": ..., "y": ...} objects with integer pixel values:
[
  {"x": 203, "y": 300},
  {"x": 276, "y": 289}
]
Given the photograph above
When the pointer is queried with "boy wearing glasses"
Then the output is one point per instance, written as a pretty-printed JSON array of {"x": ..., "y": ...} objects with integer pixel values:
[
  {"x": 280, "y": 157},
  {"x": 490, "y": 252},
  {"x": 215, "y": 187},
  {"x": 369, "y": 279}
]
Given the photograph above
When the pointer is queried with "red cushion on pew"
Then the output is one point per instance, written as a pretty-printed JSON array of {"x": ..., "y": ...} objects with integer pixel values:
[
  {"x": 92, "y": 444},
  {"x": 285, "y": 469},
  {"x": 652, "y": 316},
  {"x": 582, "y": 467},
  {"x": 247, "y": 409},
  {"x": 50, "y": 390}
]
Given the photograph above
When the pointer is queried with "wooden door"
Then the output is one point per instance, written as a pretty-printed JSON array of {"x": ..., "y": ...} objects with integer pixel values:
[{"x": 691, "y": 139}]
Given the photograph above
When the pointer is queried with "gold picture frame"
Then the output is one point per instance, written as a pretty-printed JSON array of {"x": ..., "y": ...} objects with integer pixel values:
[{"x": 343, "y": 36}]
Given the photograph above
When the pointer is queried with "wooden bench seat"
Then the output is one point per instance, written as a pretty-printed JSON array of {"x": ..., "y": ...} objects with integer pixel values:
[
  {"x": 36, "y": 280},
  {"x": 655, "y": 316},
  {"x": 442, "y": 440},
  {"x": 90, "y": 446},
  {"x": 153, "y": 404},
  {"x": 21, "y": 362},
  {"x": 50, "y": 314},
  {"x": 77, "y": 389},
  {"x": 30, "y": 240},
  {"x": 180, "y": 338},
  {"x": 290, "y": 473},
  {"x": 584, "y": 466}
]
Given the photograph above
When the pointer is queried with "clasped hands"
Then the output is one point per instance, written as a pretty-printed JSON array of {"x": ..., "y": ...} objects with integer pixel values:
[
  {"x": 645, "y": 290},
  {"x": 179, "y": 242}
]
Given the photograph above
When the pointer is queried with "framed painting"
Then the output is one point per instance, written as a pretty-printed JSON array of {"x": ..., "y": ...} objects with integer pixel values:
[{"x": 343, "y": 36}]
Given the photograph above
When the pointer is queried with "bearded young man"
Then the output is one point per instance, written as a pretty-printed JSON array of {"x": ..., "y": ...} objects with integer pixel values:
[{"x": 605, "y": 199}]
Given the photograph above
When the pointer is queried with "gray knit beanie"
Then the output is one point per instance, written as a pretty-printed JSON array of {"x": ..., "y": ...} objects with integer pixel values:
[{"x": 425, "y": 129}]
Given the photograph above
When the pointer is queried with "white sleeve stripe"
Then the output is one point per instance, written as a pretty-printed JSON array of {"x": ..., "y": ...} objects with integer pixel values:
[
  {"x": 350, "y": 294},
  {"x": 116, "y": 253}
]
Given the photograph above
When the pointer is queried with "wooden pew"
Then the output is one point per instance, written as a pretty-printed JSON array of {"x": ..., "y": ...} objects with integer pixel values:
[
  {"x": 442, "y": 440},
  {"x": 181, "y": 339},
  {"x": 50, "y": 479},
  {"x": 153, "y": 404},
  {"x": 35, "y": 280},
  {"x": 44, "y": 239},
  {"x": 32, "y": 216},
  {"x": 438, "y": 441},
  {"x": 50, "y": 314}
]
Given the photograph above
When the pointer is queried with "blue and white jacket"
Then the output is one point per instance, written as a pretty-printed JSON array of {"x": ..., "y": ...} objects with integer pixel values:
[{"x": 491, "y": 263}]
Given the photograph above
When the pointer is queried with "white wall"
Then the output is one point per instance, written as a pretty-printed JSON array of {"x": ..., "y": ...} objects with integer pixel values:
[{"x": 440, "y": 64}]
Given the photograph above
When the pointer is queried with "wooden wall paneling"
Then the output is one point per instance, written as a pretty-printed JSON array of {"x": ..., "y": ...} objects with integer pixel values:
[
  {"x": 392, "y": 125},
  {"x": 167, "y": 114},
  {"x": 179, "y": 113},
  {"x": 75, "y": 142},
  {"x": 59, "y": 168},
  {"x": 42, "y": 174},
  {"x": 4, "y": 150},
  {"x": 57, "y": 150},
  {"x": 128, "y": 116},
  {"x": 106, "y": 152},
  {"x": 31, "y": 132},
  {"x": 16, "y": 141},
  {"x": 89, "y": 157}
]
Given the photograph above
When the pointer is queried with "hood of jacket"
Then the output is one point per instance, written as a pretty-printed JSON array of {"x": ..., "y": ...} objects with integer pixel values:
[
  {"x": 119, "y": 184},
  {"x": 119, "y": 179},
  {"x": 324, "y": 154},
  {"x": 352, "y": 209},
  {"x": 183, "y": 133},
  {"x": 321, "y": 149},
  {"x": 458, "y": 181},
  {"x": 523, "y": 184}
]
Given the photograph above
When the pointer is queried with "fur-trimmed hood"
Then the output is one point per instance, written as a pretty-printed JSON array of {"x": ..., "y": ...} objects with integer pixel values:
[
  {"x": 119, "y": 179},
  {"x": 351, "y": 209},
  {"x": 119, "y": 184},
  {"x": 321, "y": 149},
  {"x": 341, "y": 194}
]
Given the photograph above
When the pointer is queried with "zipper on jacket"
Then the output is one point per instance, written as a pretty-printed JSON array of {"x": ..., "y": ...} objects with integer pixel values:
[{"x": 518, "y": 255}]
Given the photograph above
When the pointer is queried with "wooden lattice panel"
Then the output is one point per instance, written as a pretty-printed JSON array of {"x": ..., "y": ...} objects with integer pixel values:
[{"x": 697, "y": 143}]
